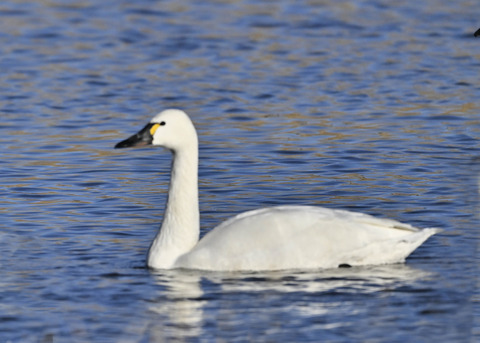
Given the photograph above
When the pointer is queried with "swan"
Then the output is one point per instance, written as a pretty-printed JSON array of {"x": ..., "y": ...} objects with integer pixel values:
[{"x": 276, "y": 238}]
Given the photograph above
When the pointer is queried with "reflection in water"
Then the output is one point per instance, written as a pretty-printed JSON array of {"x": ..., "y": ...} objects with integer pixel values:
[
  {"x": 184, "y": 299},
  {"x": 345, "y": 280},
  {"x": 179, "y": 303}
]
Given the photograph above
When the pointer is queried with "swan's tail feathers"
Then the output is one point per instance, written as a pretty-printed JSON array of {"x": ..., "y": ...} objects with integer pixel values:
[
  {"x": 417, "y": 238},
  {"x": 413, "y": 241},
  {"x": 395, "y": 250},
  {"x": 431, "y": 231}
]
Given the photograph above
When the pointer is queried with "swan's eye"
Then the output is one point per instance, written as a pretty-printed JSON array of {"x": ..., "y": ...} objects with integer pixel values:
[{"x": 162, "y": 123}]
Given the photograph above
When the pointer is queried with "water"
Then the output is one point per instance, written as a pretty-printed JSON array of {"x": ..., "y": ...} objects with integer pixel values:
[{"x": 364, "y": 105}]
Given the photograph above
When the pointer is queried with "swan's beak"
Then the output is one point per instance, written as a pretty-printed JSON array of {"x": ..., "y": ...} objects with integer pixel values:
[{"x": 142, "y": 138}]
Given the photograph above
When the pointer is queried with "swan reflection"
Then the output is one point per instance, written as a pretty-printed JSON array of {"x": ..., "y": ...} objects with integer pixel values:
[
  {"x": 189, "y": 301},
  {"x": 179, "y": 304}
]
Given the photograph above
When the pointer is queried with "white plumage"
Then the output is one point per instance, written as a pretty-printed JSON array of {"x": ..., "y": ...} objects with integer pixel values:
[{"x": 283, "y": 237}]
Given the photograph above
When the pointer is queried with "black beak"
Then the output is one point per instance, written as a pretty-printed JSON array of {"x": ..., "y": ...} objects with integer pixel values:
[
  {"x": 476, "y": 34},
  {"x": 142, "y": 138}
]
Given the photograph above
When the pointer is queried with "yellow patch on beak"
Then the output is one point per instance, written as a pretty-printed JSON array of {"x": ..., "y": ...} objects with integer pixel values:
[{"x": 154, "y": 128}]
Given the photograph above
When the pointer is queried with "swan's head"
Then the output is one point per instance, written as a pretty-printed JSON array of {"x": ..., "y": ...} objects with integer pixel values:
[{"x": 171, "y": 129}]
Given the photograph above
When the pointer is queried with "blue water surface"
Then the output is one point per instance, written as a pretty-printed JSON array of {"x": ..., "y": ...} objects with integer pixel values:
[{"x": 369, "y": 106}]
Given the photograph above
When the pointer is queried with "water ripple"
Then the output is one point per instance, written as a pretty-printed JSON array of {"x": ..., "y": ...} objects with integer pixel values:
[{"x": 363, "y": 106}]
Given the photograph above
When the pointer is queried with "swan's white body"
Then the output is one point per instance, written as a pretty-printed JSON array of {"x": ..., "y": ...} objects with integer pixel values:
[{"x": 284, "y": 237}]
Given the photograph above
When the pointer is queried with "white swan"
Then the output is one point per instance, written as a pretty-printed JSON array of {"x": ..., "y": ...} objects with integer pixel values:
[{"x": 284, "y": 237}]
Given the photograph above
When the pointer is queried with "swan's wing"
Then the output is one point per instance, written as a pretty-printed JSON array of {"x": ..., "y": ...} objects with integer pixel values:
[{"x": 301, "y": 237}]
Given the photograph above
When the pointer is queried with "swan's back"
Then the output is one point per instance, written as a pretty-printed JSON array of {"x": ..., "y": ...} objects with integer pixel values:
[{"x": 293, "y": 237}]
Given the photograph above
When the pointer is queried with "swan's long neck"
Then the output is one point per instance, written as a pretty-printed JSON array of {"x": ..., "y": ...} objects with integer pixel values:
[{"x": 181, "y": 222}]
